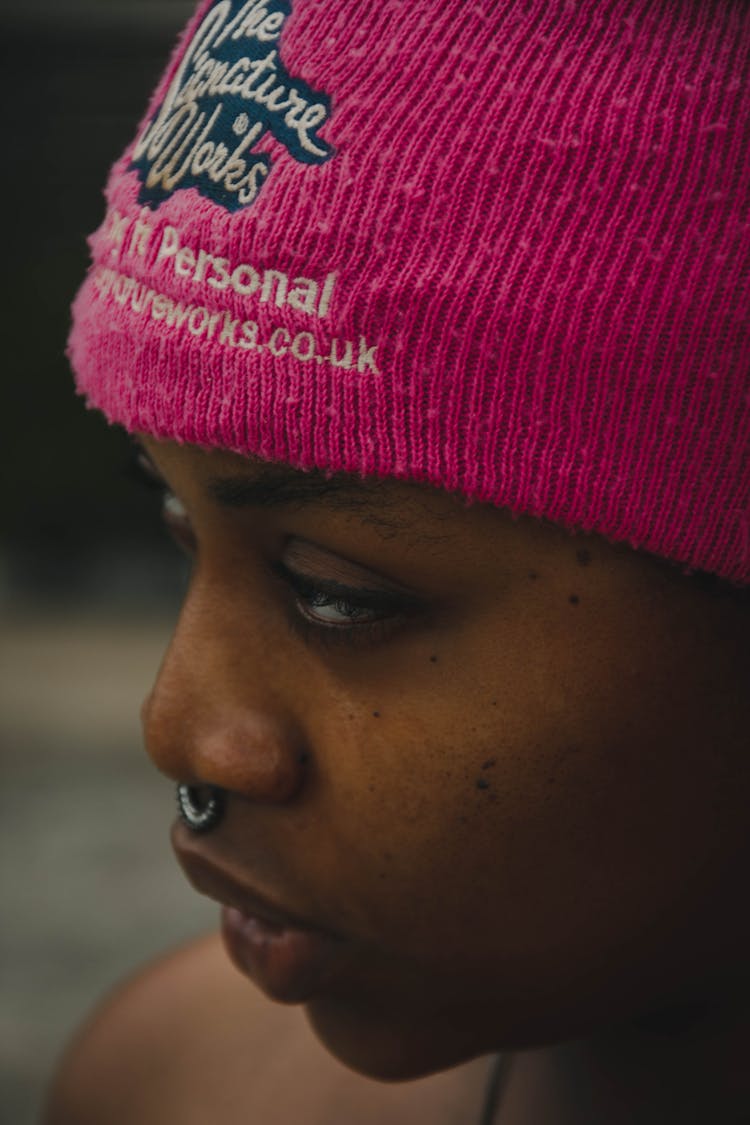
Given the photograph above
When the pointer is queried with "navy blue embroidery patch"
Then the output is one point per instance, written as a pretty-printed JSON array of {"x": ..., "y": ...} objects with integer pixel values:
[{"x": 229, "y": 89}]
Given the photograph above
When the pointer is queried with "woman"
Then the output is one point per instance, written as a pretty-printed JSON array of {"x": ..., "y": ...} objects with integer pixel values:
[{"x": 431, "y": 320}]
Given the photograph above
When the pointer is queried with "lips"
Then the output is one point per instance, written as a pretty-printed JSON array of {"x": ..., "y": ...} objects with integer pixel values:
[{"x": 289, "y": 958}]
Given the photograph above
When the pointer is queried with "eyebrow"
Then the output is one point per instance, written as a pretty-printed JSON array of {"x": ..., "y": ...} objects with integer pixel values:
[{"x": 279, "y": 486}]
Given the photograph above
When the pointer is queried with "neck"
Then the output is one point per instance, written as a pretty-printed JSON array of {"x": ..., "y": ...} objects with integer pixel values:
[{"x": 683, "y": 1067}]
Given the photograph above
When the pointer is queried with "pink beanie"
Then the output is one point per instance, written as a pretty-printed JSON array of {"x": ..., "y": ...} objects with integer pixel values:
[{"x": 501, "y": 246}]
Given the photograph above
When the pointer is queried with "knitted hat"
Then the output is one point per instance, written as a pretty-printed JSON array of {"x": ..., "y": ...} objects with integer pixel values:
[{"x": 500, "y": 246}]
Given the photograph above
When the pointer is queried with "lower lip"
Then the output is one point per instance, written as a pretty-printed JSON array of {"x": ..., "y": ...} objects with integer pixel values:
[{"x": 289, "y": 965}]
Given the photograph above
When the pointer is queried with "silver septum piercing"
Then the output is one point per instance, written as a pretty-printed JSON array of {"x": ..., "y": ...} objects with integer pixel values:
[{"x": 201, "y": 807}]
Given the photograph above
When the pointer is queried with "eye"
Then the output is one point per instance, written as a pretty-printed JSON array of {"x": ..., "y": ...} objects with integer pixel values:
[
  {"x": 140, "y": 467},
  {"x": 335, "y": 611},
  {"x": 177, "y": 521},
  {"x": 173, "y": 511}
]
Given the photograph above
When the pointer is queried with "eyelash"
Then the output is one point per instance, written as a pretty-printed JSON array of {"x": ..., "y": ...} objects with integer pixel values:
[{"x": 386, "y": 611}]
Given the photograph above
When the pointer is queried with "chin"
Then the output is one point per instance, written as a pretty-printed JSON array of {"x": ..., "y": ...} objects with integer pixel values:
[{"x": 387, "y": 1046}]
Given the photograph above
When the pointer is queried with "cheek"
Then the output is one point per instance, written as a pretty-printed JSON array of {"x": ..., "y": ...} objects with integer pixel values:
[
  {"x": 413, "y": 796},
  {"x": 543, "y": 799}
]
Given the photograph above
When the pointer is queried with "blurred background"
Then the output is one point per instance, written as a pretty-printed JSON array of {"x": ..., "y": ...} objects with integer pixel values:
[{"x": 89, "y": 584}]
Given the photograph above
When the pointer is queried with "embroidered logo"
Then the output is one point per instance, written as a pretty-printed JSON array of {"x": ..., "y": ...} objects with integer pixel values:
[{"x": 229, "y": 89}]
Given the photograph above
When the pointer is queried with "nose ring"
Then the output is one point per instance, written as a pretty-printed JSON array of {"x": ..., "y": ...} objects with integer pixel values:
[{"x": 201, "y": 807}]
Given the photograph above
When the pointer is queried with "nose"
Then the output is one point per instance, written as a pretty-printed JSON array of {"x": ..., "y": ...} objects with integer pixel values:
[{"x": 215, "y": 715}]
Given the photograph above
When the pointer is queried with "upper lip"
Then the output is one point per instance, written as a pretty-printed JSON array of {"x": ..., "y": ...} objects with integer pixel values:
[{"x": 215, "y": 882}]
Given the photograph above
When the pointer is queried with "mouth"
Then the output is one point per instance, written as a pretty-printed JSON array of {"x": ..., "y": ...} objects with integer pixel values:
[{"x": 288, "y": 957}]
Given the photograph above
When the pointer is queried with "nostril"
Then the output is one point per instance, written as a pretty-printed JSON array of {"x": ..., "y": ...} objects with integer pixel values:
[
  {"x": 254, "y": 757},
  {"x": 195, "y": 735}
]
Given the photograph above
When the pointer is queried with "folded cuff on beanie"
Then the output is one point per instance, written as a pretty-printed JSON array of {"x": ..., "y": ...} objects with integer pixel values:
[{"x": 503, "y": 250}]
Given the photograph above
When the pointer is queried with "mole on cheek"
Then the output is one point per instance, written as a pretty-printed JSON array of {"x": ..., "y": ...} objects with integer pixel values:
[
  {"x": 482, "y": 782},
  {"x": 533, "y": 575},
  {"x": 376, "y": 714},
  {"x": 574, "y": 599}
]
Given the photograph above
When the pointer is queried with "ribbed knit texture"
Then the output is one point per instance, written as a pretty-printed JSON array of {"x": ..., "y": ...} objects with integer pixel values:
[{"x": 536, "y": 212}]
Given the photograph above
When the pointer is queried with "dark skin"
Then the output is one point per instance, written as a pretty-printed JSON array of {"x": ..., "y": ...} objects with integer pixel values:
[{"x": 509, "y": 769}]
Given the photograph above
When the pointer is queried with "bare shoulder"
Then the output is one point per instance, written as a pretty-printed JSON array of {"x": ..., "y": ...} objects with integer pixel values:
[{"x": 190, "y": 1040}]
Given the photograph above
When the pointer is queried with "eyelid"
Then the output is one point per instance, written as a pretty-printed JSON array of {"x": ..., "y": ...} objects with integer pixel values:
[
  {"x": 384, "y": 598},
  {"x": 142, "y": 468},
  {"x": 315, "y": 562}
]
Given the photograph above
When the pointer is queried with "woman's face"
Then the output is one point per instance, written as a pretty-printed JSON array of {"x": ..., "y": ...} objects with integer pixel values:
[{"x": 502, "y": 765}]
